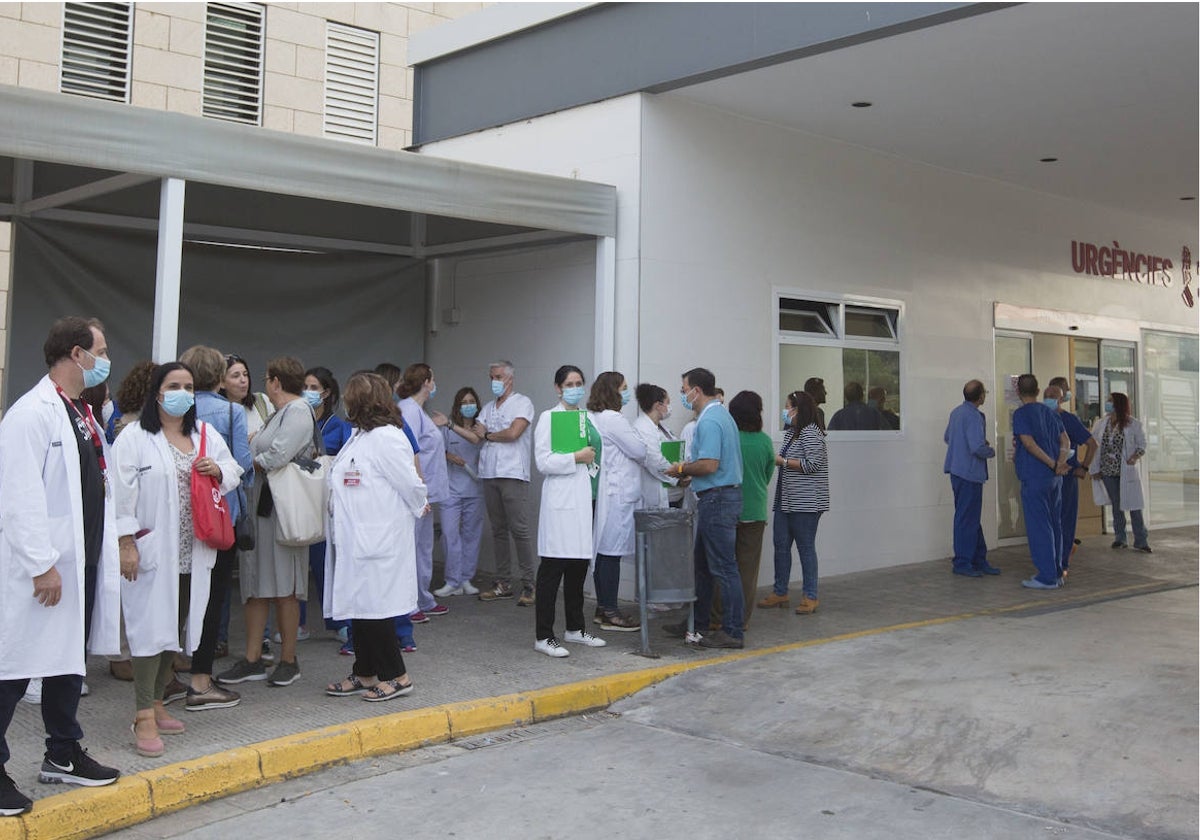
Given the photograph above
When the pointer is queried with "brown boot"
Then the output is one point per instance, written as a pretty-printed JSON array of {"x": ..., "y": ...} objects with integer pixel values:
[
  {"x": 807, "y": 606},
  {"x": 774, "y": 600},
  {"x": 122, "y": 669}
]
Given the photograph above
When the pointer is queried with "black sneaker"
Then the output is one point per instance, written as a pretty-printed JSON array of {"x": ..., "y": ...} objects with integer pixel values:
[
  {"x": 79, "y": 769},
  {"x": 679, "y": 631},
  {"x": 243, "y": 671},
  {"x": 721, "y": 639},
  {"x": 12, "y": 801}
]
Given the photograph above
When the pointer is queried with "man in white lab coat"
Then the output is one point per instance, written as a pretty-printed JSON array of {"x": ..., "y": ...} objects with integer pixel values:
[{"x": 59, "y": 562}]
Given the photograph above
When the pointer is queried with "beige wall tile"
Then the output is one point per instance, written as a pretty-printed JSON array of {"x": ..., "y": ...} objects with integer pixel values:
[
  {"x": 369, "y": 15},
  {"x": 187, "y": 11},
  {"x": 308, "y": 123},
  {"x": 421, "y": 7},
  {"x": 184, "y": 101},
  {"x": 150, "y": 29},
  {"x": 21, "y": 39},
  {"x": 310, "y": 63},
  {"x": 147, "y": 95},
  {"x": 294, "y": 92},
  {"x": 418, "y": 21},
  {"x": 395, "y": 19},
  {"x": 10, "y": 10},
  {"x": 5, "y": 269},
  {"x": 8, "y": 70},
  {"x": 187, "y": 37},
  {"x": 337, "y": 12},
  {"x": 47, "y": 14},
  {"x": 38, "y": 75},
  {"x": 455, "y": 10},
  {"x": 5, "y": 237},
  {"x": 167, "y": 68},
  {"x": 393, "y": 49},
  {"x": 295, "y": 27},
  {"x": 278, "y": 119},
  {"x": 280, "y": 57},
  {"x": 395, "y": 112},
  {"x": 393, "y": 80}
]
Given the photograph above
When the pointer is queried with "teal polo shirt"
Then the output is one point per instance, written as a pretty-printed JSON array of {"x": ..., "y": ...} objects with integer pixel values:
[{"x": 717, "y": 438}]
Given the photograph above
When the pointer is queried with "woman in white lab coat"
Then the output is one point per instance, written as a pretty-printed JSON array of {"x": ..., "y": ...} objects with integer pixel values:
[
  {"x": 655, "y": 407},
  {"x": 622, "y": 455},
  {"x": 376, "y": 498},
  {"x": 564, "y": 521},
  {"x": 154, "y": 460},
  {"x": 1115, "y": 479}
]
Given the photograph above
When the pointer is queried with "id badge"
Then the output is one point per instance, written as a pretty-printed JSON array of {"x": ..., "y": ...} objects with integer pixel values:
[{"x": 352, "y": 478}]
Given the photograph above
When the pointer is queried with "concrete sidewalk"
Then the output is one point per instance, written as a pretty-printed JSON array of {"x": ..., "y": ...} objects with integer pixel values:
[{"x": 470, "y": 663}]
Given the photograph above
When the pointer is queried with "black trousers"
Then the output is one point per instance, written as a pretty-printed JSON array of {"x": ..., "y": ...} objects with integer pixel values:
[
  {"x": 571, "y": 574},
  {"x": 60, "y": 702},
  {"x": 218, "y": 586},
  {"x": 376, "y": 649},
  {"x": 89, "y": 602}
]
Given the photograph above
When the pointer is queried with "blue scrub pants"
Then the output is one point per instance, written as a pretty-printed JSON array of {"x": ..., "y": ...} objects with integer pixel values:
[
  {"x": 1070, "y": 514},
  {"x": 1041, "y": 499},
  {"x": 970, "y": 549}
]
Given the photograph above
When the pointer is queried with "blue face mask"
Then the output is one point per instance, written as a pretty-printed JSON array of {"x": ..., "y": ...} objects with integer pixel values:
[
  {"x": 572, "y": 395},
  {"x": 625, "y": 397},
  {"x": 177, "y": 403},
  {"x": 497, "y": 387},
  {"x": 433, "y": 389},
  {"x": 685, "y": 402},
  {"x": 1108, "y": 407},
  {"x": 468, "y": 410},
  {"x": 313, "y": 398},
  {"x": 1050, "y": 403},
  {"x": 98, "y": 373},
  {"x": 787, "y": 420}
]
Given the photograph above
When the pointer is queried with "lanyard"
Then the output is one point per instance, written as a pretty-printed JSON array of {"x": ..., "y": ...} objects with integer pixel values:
[{"x": 90, "y": 421}]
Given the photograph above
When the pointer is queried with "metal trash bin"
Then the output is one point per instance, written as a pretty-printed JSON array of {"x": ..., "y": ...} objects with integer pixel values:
[{"x": 665, "y": 573}]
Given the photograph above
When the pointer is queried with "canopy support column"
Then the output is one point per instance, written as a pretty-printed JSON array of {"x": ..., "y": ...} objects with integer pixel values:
[
  {"x": 169, "y": 271},
  {"x": 606, "y": 303}
]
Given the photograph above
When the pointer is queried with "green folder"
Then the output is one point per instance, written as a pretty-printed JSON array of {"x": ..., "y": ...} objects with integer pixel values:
[
  {"x": 672, "y": 450},
  {"x": 568, "y": 431}
]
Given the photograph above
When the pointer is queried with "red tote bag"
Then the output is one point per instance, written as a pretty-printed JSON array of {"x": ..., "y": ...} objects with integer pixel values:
[{"x": 210, "y": 511}]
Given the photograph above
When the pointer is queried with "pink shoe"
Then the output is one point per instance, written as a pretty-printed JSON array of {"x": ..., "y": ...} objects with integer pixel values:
[
  {"x": 170, "y": 726},
  {"x": 148, "y": 747}
]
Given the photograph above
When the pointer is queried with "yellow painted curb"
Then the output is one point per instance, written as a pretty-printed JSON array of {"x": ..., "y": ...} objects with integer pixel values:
[
  {"x": 295, "y": 755},
  {"x": 402, "y": 731},
  {"x": 202, "y": 779},
  {"x": 89, "y": 812},
  {"x": 86, "y": 812},
  {"x": 475, "y": 716}
]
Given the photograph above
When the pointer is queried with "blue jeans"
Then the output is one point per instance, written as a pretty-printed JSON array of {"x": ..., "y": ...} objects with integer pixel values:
[
  {"x": 799, "y": 528},
  {"x": 715, "y": 557},
  {"x": 970, "y": 549},
  {"x": 1141, "y": 537},
  {"x": 606, "y": 578}
]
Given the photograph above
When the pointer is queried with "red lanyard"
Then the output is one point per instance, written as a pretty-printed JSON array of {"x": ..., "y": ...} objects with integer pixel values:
[{"x": 90, "y": 421}]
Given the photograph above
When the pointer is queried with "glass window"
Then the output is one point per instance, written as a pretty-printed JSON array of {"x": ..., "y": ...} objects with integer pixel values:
[
  {"x": 870, "y": 322},
  {"x": 806, "y": 316},
  {"x": 1172, "y": 420}
]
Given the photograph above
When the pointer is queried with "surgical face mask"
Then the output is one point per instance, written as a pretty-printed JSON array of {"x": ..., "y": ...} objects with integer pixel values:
[
  {"x": 1067, "y": 396},
  {"x": 313, "y": 398},
  {"x": 1108, "y": 407},
  {"x": 786, "y": 416},
  {"x": 624, "y": 397},
  {"x": 468, "y": 410},
  {"x": 107, "y": 411},
  {"x": 98, "y": 372},
  {"x": 497, "y": 387},
  {"x": 432, "y": 388},
  {"x": 685, "y": 402},
  {"x": 1050, "y": 403},
  {"x": 177, "y": 403},
  {"x": 572, "y": 395},
  {"x": 666, "y": 413}
]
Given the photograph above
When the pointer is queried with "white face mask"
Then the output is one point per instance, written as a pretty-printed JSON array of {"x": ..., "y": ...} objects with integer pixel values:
[
  {"x": 107, "y": 411},
  {"x": 666, "y": 413}
]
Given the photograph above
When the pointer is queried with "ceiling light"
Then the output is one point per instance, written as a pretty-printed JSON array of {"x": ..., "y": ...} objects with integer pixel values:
[
  {"x": 1048, "y": 159},
  {"x": 861, "y": 104}
]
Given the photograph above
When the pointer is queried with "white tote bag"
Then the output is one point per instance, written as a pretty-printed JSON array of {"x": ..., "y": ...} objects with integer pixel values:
[{"x": 300, "y": 493}]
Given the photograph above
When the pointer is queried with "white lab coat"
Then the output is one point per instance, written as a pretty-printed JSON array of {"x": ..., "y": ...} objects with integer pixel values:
[
  {"x": 149, "y": 501},
  {"x": 621, "y": 457},
  {"x": 41, "y": 526},
  {"x": 653, "y": 473},
  {"x": 1131, "y": 481},
  {"x": 371, "y": 554},
  {"x": 565, "y": 517}
]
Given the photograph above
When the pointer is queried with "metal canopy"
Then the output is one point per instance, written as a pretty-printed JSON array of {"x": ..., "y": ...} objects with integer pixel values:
[{"x": 87, "y": 161}]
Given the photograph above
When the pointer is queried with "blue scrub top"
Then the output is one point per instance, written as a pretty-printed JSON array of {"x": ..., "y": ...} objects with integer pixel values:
[{"x": 1042, "y": 424}]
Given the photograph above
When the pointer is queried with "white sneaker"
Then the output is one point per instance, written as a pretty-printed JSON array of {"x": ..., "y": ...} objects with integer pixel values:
[
  {"x": 468, "y": 589},
  {"x": 583, "y": 637},
  {"x": 551, "y": 647},
  {"x": 448, "y": 590},
  {"x": 33, "y": 694},
  {"x": 84, "y": 691}
]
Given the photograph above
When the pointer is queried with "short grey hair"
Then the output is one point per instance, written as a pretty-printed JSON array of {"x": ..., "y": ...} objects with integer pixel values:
[{"x": 502, "y": 363}]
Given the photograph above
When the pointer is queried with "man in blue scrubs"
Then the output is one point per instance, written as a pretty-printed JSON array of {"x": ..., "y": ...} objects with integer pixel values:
[
  {"x": 967, "y": 453},
  {"x": 1041, "y": 461},
  {"x": 716, "y": 471},
  {"x": 1085, "y": 449}
]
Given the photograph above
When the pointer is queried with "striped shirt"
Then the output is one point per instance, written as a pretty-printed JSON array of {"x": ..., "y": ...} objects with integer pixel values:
[{"x": 804, "y": 490}]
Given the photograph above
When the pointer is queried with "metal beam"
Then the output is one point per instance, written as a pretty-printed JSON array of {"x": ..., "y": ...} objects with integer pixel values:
[
  {"x": 22, "y": 180},
  {"x": 81, "y": 193},
  {"x": 500, "y": 243},
  {"x": 169, "y": 270},
  {"x": 606, "y": 304}
]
